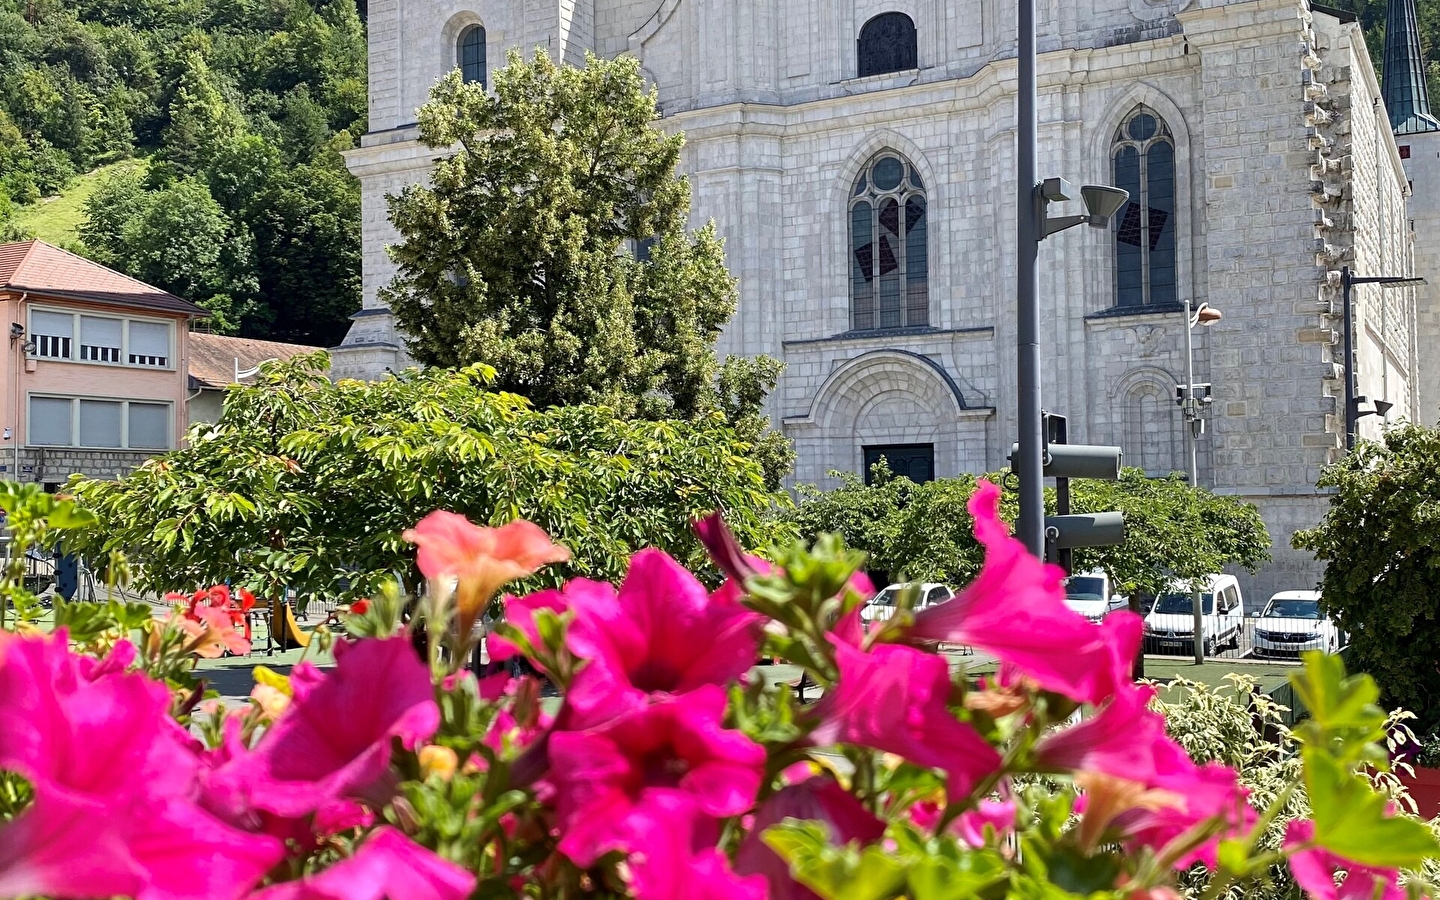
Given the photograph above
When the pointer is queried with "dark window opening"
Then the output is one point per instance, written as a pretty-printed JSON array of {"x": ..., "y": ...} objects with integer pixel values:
[
  {"x": 887, "y": 44},
  {"x": 913, "y": 461},
  {"x": 1405, "y": 152},
  {"x": 1143, "y": 163},
  {"x": 472, "y": 55},
  {"x": 889, "y": 256}
]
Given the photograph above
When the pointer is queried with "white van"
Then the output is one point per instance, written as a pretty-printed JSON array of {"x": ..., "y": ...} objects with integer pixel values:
[
  {"x": 1091, "y": 595},
  {"x": 1170, "y": 626}
]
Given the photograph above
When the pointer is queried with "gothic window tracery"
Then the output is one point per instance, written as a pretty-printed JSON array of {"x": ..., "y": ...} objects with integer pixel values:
[
  {"x": 1143, "y": 162},
  {"x": 889, "y": 254},
  {"x": 887, "y": 44},
  {"x": 471, "y": 53}
]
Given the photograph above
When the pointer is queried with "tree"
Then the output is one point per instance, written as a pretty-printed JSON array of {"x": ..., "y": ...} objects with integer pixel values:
[
  {"x": 308, "y": 484},
  {"x": 202, "y": 119},
  {"x": 1380, "y": 542},
  {"x": 552, "y": 245},
  {"x": 923, "y": 531}
]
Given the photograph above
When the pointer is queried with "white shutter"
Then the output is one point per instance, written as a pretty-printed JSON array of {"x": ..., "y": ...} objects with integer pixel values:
[
  {"x": 149, "y": 344},
  {"x": 100, "y": 339},
  {"x": 100, "y": 423},
  {"x": 49, "y": 422},
  {"x": 149, "y": 426},
  {"x": 52, "y": 333}
]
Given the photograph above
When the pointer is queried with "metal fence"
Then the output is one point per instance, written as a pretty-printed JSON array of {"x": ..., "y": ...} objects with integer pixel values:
[{"x": 1249, "y": 638}]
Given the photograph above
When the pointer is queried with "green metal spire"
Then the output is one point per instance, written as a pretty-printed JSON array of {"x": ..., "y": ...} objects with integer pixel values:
[{"x": 1403, "y": 75}]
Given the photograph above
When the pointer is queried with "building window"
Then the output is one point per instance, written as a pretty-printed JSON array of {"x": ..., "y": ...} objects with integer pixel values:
[
  {"x": 887, "y": 44},
  {"x": 889, "y": 259},
  {"x": 91, "y": 424},
  {"x": 472, "y": 55},
  {"x": 913, "y": 461},
  {"x": 1143, "y": 158},
  {"x": 107, "y": 340}
]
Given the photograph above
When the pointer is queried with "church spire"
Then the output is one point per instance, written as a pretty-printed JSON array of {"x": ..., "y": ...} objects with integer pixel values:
[{"x": 1403, "y": 74}]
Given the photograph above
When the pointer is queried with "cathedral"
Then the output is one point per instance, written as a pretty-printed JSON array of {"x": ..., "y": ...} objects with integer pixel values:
[{"x": 858, "y": 157}]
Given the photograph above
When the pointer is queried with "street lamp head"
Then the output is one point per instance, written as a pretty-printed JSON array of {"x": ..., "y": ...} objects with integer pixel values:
[
  {"x": 1208, "y": 315},
  {"x": 1102, "y": 202},
  {"x": 1383, "y": 407}
]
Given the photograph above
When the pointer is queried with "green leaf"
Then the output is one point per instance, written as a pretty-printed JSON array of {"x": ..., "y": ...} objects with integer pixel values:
[
  {"x": 836, "y": 873},
  {"x": 1352, "y": 820}
]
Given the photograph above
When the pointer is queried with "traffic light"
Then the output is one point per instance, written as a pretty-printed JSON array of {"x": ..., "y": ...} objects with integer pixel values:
[{"x": 1063, "y": 461}]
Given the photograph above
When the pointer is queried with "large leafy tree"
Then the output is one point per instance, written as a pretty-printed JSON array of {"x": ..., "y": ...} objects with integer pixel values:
[
  {"x": 308, "y": 484},
  {"x": 551, "y": 244},
  {"x": 1380, "y": 542},
  {"x": 923, "y": 531}
]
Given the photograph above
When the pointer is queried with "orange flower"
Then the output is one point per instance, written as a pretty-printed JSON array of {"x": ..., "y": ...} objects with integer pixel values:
[{"x": 481, "y": 559}]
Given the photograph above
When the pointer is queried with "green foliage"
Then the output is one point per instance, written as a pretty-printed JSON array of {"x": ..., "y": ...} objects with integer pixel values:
[
  {"x": 522, "y": 252},
  {"x": 924, "y": 531},
  {"x": 1380, "y": 542},
  {"x": 248, "y": 100},
  {"x": 309, "y": 484},
  {"x": 33, "y": 518}
]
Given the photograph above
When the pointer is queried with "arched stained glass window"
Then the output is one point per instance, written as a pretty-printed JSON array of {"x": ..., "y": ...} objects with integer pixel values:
[
  {"x": 889, "y": 256},
  {"x": 887, "y": 44},
  {"x": 472, "y": 55},
  {"x": 1143, "y": 163}
]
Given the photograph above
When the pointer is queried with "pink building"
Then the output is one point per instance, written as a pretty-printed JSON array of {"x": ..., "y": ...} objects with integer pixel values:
[{"x": 95, "y": 375}]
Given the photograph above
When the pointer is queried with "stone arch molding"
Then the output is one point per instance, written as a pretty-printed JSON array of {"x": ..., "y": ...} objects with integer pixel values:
[
  {"x": 653, "y": 25},
  {"x": 856, "y": 386},
  {"x": 446, "y": 53},
  {"x": 1141, "y": 94},
  {"x": 884, "y": 139}
]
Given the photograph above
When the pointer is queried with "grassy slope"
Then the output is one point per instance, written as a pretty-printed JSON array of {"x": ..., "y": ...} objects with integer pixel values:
[{"x": 54, "y": 219}]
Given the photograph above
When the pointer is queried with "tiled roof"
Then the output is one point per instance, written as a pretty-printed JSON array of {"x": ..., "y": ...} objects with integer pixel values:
[
  {"x": 36, "y": 267},
  {"x": 212, "y": 357}
]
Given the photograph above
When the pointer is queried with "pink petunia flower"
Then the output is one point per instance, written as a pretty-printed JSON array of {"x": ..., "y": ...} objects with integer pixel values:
[
  {"x": 817, "y": 799},
  {"x": 578, "y": 593},
  {"x": 107, "y": 762},
  {"x": 663, "y": 632},
  {"x": 1015, "y": 610},
  {"x": 610, "y": 784},
  {"x": 1315, "y": 870},
  {"x": 1200, "y": 794},
  {"x": 1122, "y": 740},
  {"x": 387, "y": 865},
  {"x": 334, "y": 740},
  {"x": 894, "y": 699},
  {"x": 481, "y": 559},
  {"x": 989, "y": 820},
  {"x": 680, "y": 862}
]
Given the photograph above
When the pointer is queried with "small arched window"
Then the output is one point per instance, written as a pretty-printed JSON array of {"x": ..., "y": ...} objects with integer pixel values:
[
  {"x": 889, "y": 256},
  {"x": 887, "y": 44},
  {"x": 472, "y": 55},
  {"x": 1143, "y": 163}
]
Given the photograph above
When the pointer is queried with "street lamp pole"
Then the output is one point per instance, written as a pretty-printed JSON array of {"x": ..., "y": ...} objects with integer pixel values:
[
  {"x": 1029, "y": 465},
  {"x": 1348, "y": 280}
]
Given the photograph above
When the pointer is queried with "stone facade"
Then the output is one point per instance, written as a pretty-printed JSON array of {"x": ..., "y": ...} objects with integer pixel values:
[
  {"x": 1421, "y": 154},
  {"x": 1281, "y": 174}
]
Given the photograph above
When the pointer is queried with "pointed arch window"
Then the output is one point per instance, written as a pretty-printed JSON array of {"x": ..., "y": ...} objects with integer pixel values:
[
  {"x": 889, "y": 251},
  {"x": 888, "y": 43},
  {"x": 1143, "y": 162},
  {"x": 471, "y": 53}
]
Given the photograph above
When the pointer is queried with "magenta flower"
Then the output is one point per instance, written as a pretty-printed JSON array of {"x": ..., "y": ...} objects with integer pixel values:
[
  {"x": 611, "y": 785},
  {"x": 1015, "y": 610},
  {"x": 578, "y": 594},
  {"x": 663, "y": 632},
  {"x": 680, "y": 862},
  {"x": 387, "y": 865},
  {"x": 1122, "y": 740},
  {"x": 1197, "y": 794},
  {"x": 990, "y": 820},
  {"x": 895, "y": 699},
  {"x": 334, "y": 740},
  {"x": 818, "y": 799},
  {"x": 107, "y": 762},
  {"x": 1315, "y": 869}
]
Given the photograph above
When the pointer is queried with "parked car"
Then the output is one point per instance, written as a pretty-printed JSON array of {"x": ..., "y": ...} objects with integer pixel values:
[
  {"x": 1291, "y": 623},
  {"x": 1091, "y": 595},
  {"x": 882, "y": 606},
  {"x": 1170, "y": 624}
]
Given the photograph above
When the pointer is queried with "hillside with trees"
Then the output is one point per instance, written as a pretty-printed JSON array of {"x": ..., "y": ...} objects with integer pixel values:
[{"x": 239, "y": 110}]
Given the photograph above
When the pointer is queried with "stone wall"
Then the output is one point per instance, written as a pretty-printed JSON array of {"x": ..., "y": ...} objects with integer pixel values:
[
  {"x": 1422, "y": 167},
  {"x": 55, "y": 466}
]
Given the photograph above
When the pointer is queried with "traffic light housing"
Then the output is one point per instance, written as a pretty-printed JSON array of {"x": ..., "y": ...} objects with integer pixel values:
[{"x": 1063, "y": 461}]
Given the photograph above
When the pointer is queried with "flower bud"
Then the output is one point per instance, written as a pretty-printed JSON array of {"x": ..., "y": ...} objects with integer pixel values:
[
  {"x": 437, "y": 760},
  {"x": 271, "y": 701}
]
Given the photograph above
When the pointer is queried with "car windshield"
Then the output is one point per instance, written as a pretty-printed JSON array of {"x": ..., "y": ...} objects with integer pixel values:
[
  {"x": 1083, "y": 587},
  {"x": 885, "y": 597},
  {"x": 1293, "y": 609},
  {"x": 1181, "y": 603}
]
